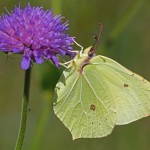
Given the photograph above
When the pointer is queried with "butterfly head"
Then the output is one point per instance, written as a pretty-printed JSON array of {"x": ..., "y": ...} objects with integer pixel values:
[{"x": 83, "y": 57}]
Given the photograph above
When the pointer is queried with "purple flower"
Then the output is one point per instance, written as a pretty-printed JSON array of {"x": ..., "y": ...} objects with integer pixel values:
[{"x": 35, "y": 33}]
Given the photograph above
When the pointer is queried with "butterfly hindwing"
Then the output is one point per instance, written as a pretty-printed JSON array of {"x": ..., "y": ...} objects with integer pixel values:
[{"x": 84, "y": 105}]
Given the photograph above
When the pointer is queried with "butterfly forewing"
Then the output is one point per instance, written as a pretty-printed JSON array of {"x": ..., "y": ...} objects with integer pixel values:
[{"x": 130, "y": 92}]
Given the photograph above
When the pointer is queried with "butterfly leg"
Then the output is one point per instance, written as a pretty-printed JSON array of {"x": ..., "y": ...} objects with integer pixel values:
[
  {"x": 62, "y": 64},
  {"x": 65, "y": 64},
  {"x": 78, "y": 45}
]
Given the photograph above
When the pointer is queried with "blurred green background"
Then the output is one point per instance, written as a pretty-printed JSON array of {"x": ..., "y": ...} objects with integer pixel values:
[{"x": 125, "y": 38}]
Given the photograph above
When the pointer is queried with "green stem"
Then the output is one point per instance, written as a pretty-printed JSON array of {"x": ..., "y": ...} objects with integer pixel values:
[{"x": 24, "y": 112}]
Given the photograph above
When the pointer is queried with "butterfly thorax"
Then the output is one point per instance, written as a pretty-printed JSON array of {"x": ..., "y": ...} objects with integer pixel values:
[{"x": 81, "y": 59}]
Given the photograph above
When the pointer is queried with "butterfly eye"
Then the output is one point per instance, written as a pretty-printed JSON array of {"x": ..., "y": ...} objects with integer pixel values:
[{"x": 90, "y": 54}]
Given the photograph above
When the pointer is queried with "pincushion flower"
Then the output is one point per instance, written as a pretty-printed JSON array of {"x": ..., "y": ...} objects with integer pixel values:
[{"x": 36, "y": 34}]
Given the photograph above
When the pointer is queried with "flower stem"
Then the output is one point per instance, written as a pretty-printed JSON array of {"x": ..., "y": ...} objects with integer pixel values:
[{"x": 24, "y": 112}]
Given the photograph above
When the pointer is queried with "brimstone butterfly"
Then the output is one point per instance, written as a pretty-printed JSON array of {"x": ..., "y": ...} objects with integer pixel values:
[{"x": 95, "y": 93}]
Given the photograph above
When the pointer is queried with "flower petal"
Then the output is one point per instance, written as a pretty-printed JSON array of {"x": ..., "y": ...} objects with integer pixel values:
[
  {"x": 35, "y": 33},
  {"x": 25, "y": 63},
  {"x": 55, "y": 61},
  {"x": 39, "y": 60}
]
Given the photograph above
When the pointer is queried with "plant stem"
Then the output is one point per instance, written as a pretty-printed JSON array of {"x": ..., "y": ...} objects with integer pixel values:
[{"x": 24, "y": 112}]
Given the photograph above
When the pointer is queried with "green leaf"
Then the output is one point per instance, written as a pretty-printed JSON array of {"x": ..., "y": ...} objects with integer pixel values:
[{"x": 95, "y": 94}]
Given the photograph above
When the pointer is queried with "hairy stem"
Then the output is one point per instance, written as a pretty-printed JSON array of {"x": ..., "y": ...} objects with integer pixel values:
[{"x": 24, "y": 112}]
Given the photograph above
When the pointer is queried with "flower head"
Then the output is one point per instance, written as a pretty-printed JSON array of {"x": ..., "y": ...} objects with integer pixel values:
[{"x": 35, "y": 33}]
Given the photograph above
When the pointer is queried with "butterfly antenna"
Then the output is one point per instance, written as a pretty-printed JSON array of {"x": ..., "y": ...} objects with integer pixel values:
[{"x": 97, "y": 39}]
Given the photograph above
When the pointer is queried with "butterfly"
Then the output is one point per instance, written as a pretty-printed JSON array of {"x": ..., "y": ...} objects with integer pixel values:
[{"x": 95, "y": 93}]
